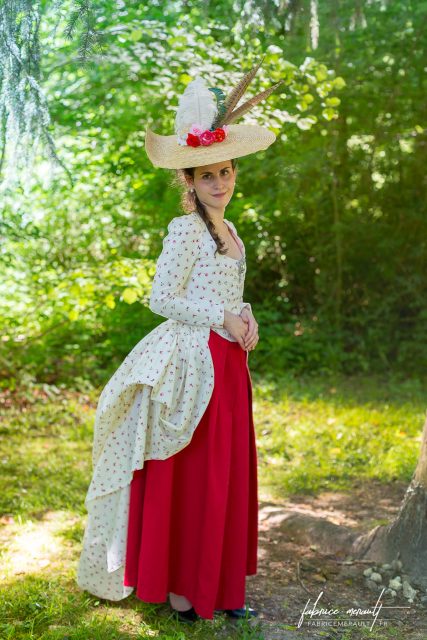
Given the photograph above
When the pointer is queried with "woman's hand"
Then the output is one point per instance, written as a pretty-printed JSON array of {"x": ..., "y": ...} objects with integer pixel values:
[
  {"x": 251, "y": 337},
  {"x": 236, "y": 326}
]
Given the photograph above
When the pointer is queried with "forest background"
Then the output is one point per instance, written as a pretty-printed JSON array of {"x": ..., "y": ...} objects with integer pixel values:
[{"x": 333, "y": 215}]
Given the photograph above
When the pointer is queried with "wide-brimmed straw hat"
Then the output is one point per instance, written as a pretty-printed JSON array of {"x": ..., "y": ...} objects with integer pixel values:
[{"x": 203, "y": 130}]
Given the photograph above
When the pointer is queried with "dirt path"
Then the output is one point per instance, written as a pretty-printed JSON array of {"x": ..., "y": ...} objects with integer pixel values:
[{"x": 293, "y": 569}]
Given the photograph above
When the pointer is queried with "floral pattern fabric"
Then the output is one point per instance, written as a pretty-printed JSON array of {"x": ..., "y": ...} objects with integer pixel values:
[{"x": 154, "y": 401}]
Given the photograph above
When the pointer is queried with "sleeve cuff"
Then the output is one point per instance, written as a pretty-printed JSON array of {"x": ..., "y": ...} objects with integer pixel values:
[{"x": 245, "y": 304}]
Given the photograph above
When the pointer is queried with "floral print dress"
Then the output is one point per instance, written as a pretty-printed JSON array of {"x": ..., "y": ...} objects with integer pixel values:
[{"x": 153, "y": 403}]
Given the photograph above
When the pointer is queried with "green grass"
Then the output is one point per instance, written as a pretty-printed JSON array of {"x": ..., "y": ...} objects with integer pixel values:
[
  {"x": 317, "y": 434},
  {"x": 312, "y": 434}
]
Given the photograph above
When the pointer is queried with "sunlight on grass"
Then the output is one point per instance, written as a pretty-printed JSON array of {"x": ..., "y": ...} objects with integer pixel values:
[
  {"x": 28, "y": 547},
  {"x": 323, "y": 436},
  {"x": 312, "y": 435},
  {"x": 30, "y": 550}
]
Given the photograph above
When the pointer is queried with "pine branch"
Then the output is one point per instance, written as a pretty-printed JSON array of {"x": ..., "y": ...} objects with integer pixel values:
[
  {"x": 24, "y": 110},
  {"x": 91, "y": 39}
]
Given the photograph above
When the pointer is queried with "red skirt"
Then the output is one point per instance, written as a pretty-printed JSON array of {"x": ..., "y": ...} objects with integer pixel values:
[{"x": 193, "y": 518}]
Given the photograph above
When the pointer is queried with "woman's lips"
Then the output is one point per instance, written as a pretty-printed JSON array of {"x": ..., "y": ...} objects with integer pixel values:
[{"x": 218, "y": 195}]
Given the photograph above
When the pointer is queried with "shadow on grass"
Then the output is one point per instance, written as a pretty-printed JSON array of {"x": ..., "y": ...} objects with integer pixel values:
[{"x": 392, "y": 389}]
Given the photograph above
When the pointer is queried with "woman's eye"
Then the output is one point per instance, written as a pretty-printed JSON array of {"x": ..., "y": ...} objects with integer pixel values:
[{"x": 225, "y": 172}]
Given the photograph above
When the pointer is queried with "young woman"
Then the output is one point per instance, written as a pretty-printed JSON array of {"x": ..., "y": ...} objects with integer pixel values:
[{"x": 172, "y": 502}]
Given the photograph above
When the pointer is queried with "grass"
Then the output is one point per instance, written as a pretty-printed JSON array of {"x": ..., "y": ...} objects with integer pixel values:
[
  {"x": 318, "y": 434},
  {"x": 312, "y": 434}
]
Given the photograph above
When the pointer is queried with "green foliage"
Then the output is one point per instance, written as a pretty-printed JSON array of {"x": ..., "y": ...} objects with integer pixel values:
[
  {"x": 337, "y": 230},
  {"x": 333, "y": 215}
]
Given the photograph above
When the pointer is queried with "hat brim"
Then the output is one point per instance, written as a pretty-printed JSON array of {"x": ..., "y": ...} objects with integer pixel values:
[{"x": 241, "y": 140}]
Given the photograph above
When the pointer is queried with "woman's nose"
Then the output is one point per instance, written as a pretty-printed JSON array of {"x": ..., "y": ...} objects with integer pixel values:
[{"x": 219, "y": 183}]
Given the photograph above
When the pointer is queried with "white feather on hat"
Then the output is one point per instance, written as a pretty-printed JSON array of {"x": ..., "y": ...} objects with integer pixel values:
[
  {"x": 205, "y": 113},
  {"x": 197, "y": 106}
]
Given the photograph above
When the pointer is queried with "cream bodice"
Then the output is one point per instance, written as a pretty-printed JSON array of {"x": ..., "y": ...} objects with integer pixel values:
[{"x": 194, "y": 285}]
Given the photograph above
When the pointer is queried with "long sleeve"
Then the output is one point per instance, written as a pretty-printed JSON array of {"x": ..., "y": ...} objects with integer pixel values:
[
  {"x": 179, "y": 253},
  {"x": 245, "y": 304}
]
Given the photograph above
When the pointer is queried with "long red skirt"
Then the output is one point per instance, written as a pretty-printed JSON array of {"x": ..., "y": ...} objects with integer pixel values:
[{"x": 193, "y": 518}]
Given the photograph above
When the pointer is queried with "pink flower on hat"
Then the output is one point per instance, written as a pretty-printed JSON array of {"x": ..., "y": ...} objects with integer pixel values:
[
  {"x": 198, "y": 136},
  {"x": 196, "y": 129},
  {"x": 207, "y": 137}
]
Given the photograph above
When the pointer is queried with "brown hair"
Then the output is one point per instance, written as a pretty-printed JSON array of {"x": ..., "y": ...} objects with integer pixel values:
[{"x": 190, "y": 202}]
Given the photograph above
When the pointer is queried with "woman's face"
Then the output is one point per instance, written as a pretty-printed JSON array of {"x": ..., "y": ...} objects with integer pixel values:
[{"x": 214, "y": 184}]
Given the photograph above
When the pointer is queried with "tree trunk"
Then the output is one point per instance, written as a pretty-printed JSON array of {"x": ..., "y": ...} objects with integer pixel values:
[{"x": 406, "y": 537}]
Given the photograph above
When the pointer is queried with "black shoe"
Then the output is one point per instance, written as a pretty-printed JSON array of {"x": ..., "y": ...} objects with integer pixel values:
[
  {"x": 188, "y": 616},
  {"x": 243, "y": 612}
]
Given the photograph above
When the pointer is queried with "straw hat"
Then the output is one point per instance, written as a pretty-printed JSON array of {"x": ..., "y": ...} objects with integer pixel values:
[{"x": 203, "y": 130}]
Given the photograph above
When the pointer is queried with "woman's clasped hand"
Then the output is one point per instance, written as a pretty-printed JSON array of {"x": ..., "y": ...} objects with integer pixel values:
[
  {"x": 251, "y": 337},
  {"x": 243, "y": 327}
]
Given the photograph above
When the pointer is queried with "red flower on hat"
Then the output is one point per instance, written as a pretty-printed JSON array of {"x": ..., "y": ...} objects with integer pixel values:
[
  {"x": 207, "y": 137},
  {"x": 219, "y": 135},
  {"x": 193, "y": 141}
]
